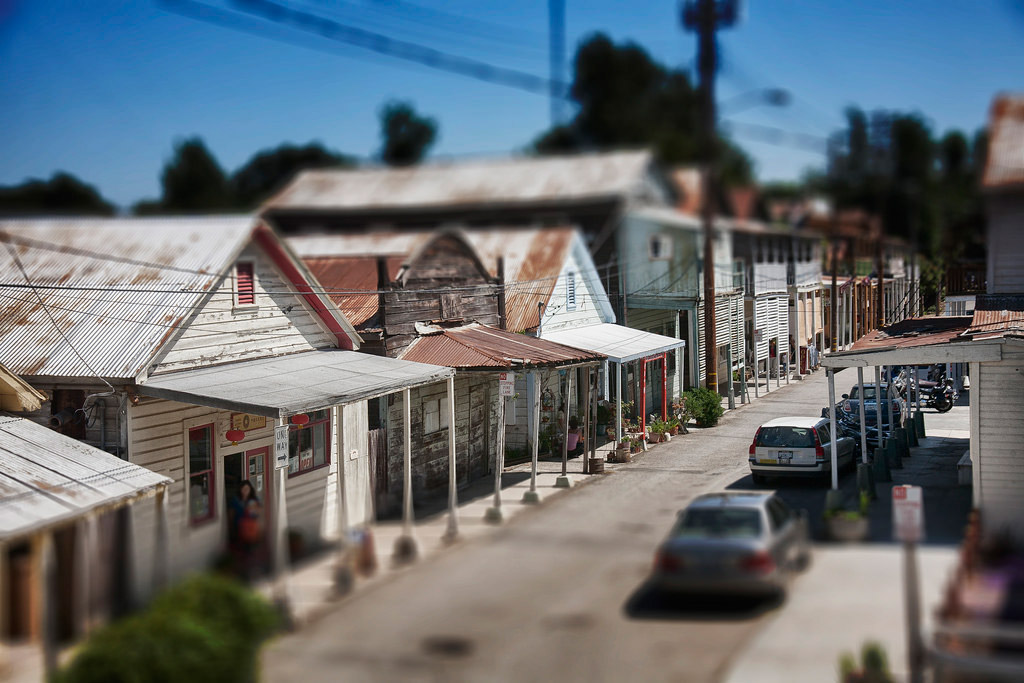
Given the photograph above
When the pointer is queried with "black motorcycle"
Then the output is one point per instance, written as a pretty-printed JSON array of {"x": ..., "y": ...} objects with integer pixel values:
[{"x": 939, "y": 393}]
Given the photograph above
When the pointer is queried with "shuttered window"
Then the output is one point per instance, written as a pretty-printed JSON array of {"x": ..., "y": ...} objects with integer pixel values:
[
  {"x": 570, "y": 291},
  {"x": 245, "y": 285}
]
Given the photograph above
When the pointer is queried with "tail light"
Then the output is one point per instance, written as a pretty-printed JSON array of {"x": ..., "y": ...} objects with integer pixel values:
[
  {"x": 753, "y": 444},
  {"x": 666, "y": 562},
  {"x": 819, "y": 450},
  {"x": 760, "y": 562}
]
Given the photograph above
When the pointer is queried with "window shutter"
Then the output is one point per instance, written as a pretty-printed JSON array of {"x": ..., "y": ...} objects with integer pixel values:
[
  {"x": 245, "y": 285},
  {"x": 570, "y": 291}
]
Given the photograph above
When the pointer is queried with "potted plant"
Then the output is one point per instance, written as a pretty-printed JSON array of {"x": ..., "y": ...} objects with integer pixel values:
[
  {"x": 874, "y": 665},
  {"x": 656, "y": 430},
  {"x": 622, "y": 450},
  {"x": 673, "y": 425},
  {"x": 634, "y": 445},
  {"x": 844, "y": 524}
]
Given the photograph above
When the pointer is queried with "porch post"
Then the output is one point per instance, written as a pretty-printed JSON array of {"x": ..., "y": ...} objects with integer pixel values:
[
  {"x": 664, "y": 386},
  {"x": 532, "y": 496},
  {"x": 405, "y": 545},
  {"x": 618, "y": 405},
  {"x": 3, "y": 612},
  {"x": 643, "y": 395},
  {"x": 453, "y": 496},
  {"x": 493, "y": 513},
  {"x": 161, "y": 570},
  {"x": 85, "y": 553},
  {"x": 343, "y": 575},
  {"x": 878, "y": 404},
  {"x": 797, "y": 336},
  {"x": 832, "y": 426},
  {"x": 731, "y": 393},
  {"x": 586, "y": 421},
  {"x": 282, "y": 599},
  {"x": 757, "y": 363},
  {"x": 46, "y": 564},
  {"x": 890, "y": 394},
  {"x": 863, "y": 424},
  {"x": 562, "y": 481}
]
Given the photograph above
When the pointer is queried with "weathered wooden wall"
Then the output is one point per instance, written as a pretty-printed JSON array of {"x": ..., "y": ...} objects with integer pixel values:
[{"x": 106, "y": 427}]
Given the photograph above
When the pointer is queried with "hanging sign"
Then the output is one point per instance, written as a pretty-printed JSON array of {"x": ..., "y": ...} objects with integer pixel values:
[
  {"x": 280, "y": 447},
  {"x": 907, "y": 514},
  {"x": 506, "y": 383},
  {"x": 246, "y": 422}
]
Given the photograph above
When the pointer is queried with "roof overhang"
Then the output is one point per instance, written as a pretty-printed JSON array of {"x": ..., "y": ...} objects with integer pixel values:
[
  {"x": 620, "y": 344},
  {"x": 287, "y": 385},
  {"x": 928, "y": 354}
]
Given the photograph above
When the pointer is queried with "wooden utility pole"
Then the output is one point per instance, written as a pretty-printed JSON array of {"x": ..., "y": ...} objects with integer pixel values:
[{"x": 704, "y": 17}]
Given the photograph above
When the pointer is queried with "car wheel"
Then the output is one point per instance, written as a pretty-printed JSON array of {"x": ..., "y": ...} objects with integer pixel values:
[{"x": 803, "y": 560}]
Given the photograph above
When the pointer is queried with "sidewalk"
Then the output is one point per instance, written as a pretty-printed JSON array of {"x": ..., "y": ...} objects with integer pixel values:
[
  {"x": 310, "y": 582},
  {"x": 854, "y": 593}
]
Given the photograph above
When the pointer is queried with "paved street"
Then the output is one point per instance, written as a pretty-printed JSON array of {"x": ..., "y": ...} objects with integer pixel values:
[{"x": 559, "y": 592}]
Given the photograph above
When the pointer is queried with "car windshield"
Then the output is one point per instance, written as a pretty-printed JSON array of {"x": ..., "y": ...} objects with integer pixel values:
[
  {"x": 869, "y": 393},
  {"x": 720, "y": 522},
  {"x": 794, "y": 437}
]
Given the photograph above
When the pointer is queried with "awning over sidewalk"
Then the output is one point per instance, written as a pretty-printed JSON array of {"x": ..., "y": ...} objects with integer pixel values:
[
  {"x": 917, "y": 341},
  {"x": 479, "y": 347},
  {"x": 47, "y": 478},
  {"x": 621, "y": 344},
  {"x": 298, "y": 383}
]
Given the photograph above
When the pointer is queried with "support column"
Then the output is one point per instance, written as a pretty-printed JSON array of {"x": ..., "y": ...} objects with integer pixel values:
[
  {"x": 161, "y": 560},
  {"x": 878, "y": 406},
  {"x": 618, "y": 403},
  {"x": 586, "y": 422},
  {"x": 890, "y": 395},
  {"x": 85, "y": 555},
  {"x": 563, "y": 481},
  {"x": 664, "y": 386},
  {"x": 797, "y": 336},
  {"x": 731, "y": 393},
  {"x": 832, "y": 427},
  {"x": 643, "y": 394},
  {"x": 282, "y": 593},
  {"x": 344, "y": 577},
  {"x": 46, "y": 561},
  {"x": 406, "y": 548},
  {"x": 863, "y": 424},
  {"x": 493, "y": 514},
  {"x": 532, "y": 496},
  {"x": 452, "y": 532}
]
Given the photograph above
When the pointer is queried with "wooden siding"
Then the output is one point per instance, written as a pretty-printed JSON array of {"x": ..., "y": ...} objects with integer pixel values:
[
  {"x": 999, "y": 392},
  {"x": 1006, "y": 244},
  {"x": 221, "y": 332},
  {"x": 107, "y": 428},
  {"x": 590, "y": 298},
  {"x": 475, "y": 419}
]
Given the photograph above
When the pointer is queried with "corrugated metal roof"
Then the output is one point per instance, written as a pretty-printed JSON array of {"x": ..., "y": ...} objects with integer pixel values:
[
  {"x": 47, "y": 478},
  {"x": 925, "y": 331},
  {"x": 1004, "y": 165},
  {"x": 297, "y": 383},
  {"x": 117, "y": 288},
  {"x": 478, "y": 347},
  {"x": 534, "y": 258},
  {"x": 620, "y": 344},
  {"x": 996, "y": 315},
  {"x": 468, "y": 183}
]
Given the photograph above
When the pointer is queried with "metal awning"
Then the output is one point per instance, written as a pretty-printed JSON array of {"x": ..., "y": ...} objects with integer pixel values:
[
  {"x": 297, "y": 383},
  {"x": 620, "y": 344},
  {"x": 47, "y": 478}
]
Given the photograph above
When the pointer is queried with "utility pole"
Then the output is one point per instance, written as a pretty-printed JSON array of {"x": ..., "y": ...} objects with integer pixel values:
[{"x": 704, "y": 17}]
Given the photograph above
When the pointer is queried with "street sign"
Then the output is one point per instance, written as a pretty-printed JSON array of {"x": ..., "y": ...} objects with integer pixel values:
[
  {"x": 907, "y": 514},
  {"x": 280, "y": 447},
  {"x": 758, "y": 335},
  {"x": 506, "y": 383}
]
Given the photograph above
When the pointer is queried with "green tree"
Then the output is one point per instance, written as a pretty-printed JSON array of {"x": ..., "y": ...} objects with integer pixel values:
[
  {"x": 269, "y": 170},
  {"x": 62, "y": 194},
  {"x": 193, "y": 181},
  {"x": 625, "y": 98},
  {"x": 406, "y": 137}
]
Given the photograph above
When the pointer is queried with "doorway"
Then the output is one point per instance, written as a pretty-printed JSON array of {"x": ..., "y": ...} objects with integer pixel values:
[{"x": 254, "y": 466}]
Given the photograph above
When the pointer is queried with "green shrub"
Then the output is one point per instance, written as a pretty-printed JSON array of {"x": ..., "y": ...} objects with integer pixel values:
[
  {"x": 207, "y": 628},
  {"x": 705, "y": 406},
  {"x": 874, "y": 665}
]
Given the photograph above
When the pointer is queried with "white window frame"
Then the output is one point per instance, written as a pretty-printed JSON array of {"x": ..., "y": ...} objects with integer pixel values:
[
  {"x": 435, "y": 415},
  {"x": 217, "y": 471}
]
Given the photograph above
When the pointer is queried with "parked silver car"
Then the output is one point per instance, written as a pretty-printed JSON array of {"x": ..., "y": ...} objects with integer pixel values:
[
  {"x": 737, "y": 543},
  {"x": 797, "y": 446}
]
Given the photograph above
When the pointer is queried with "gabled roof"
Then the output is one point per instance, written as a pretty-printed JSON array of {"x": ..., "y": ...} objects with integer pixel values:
[
  {"x": 479, "y": 347},
  {"x": 1004, "y": 165},
  {"x": 468, "y": 183},
  {"x": 103, "y": 295},
  {"x": 47, "y": 478},
  {"x": 924, "y": 331},
  {"x": 346, "y": 263}
]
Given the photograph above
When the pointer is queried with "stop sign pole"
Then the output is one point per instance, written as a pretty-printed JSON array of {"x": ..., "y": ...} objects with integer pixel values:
[{"x": 908, "y": 527}]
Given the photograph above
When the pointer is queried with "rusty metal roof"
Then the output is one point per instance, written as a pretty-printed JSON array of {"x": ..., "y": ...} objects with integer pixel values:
[
  {"x": 534, "y": 258},
  {"x": 479, "y": 347},
  {"x": 1004, "y": 166},
  {"x": 47, "y": 478},
  {"x": 997, "y": 315},
  {"x": 925, "y": 331},
  {"x": 115, "y": 287},
  {"x": 475, "y": 182}
]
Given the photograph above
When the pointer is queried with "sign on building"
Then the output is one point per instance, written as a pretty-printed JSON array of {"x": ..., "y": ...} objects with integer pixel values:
[
  {"x": 246, "y": 422},
  {"x": 506, "y": 383},
  {"x": 280, "y": 447},
  {"x": 907, "y": 514}
]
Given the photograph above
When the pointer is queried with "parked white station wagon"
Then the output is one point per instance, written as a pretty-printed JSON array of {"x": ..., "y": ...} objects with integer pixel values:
[{"x": 796, "y": 446}]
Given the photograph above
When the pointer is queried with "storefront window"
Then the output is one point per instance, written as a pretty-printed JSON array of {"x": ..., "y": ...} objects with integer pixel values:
[
  {"x": 200, "y": 474},
  {"x": 308, "y": 447}
]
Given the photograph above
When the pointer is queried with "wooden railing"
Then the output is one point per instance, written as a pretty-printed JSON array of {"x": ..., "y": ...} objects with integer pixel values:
[{"x": 968, "y": 279}]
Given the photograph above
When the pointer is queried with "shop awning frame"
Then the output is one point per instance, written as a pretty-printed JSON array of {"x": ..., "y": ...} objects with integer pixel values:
[{"x": 620, "y": 344}]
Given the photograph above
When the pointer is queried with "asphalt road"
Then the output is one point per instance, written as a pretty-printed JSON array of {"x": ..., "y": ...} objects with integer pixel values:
[{"x": 559, "y": 593}]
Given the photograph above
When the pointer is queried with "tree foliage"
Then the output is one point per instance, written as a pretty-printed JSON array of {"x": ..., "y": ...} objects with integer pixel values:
[
  {"x": 62, "y": 194},
  {"x": 269, "y": 170},
  {"x": 406, "y": 136},
  {"x": 625, "y": 98},
  {"x": 193, "y": 181}
]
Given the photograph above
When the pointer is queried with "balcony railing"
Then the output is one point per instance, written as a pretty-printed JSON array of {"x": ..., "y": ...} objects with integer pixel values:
[{"x": 969, "y": 279}]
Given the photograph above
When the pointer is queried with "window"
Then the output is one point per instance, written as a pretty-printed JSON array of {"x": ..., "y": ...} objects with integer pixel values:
[
  {"x": 823, "y": 436},
  {"x": 245, "y": 284},
  {"x": 720, "y": 522},
  {"x": 309, "y": 447},
  {"x": 659, "y": 247},
  {"x": 570, "y": 291},
  {"x": 781, "y": 437},
  {"x": 200, "y": 474},
  {"x": 435, "y": 415}
]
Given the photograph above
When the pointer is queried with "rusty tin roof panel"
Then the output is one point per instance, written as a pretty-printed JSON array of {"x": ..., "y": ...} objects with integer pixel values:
[
  {"x": 115, "y": 288},
  {"x": 936, "y": 329},
  {"x": 1004, "y": 165},
  {"x": 345, "y": 278},
  {"x": 997, "y": 314},
  {"x": 47, "y": 478},
  {"x": 468, "y": 183},
  {"x": 480, "y": 347}
]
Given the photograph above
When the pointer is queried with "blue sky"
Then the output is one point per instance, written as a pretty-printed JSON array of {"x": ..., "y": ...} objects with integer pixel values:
[{"x": 102, "y": 89}]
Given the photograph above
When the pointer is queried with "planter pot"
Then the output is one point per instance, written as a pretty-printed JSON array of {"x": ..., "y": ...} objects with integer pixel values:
[
  {"x": 673, "y": 431},
  {"x": 622, "y": 454},
  {"x": 847, "y": 530},
  {"x": 596, "y": 465}
]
